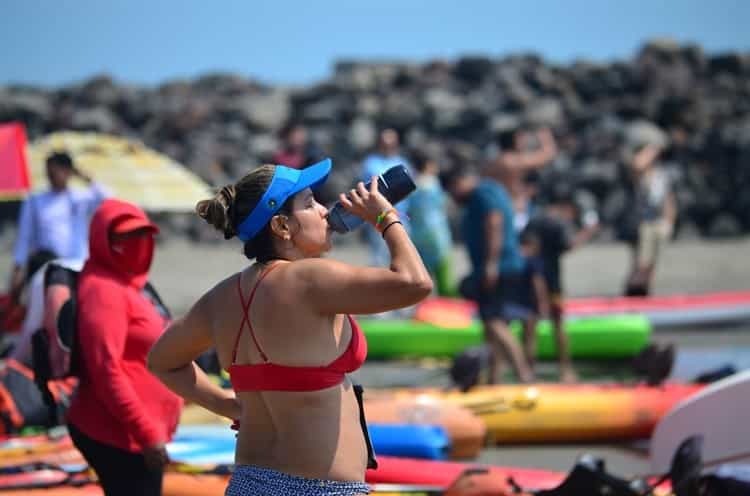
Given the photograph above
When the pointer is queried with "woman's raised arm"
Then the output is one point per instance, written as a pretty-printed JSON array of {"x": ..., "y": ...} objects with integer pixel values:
[{"x": 335, "y": 287}]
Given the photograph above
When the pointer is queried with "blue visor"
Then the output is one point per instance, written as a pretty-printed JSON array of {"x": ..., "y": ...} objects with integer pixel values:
[{"x": 286, "y": 183}]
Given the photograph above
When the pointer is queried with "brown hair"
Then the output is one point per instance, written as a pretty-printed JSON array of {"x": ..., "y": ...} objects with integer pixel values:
[
  {"x": 234, "y": 202},
  {"x": 61, "y": 159}
]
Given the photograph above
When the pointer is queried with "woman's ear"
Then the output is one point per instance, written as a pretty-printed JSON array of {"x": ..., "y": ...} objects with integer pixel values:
[{"x": 280, "y": 227}]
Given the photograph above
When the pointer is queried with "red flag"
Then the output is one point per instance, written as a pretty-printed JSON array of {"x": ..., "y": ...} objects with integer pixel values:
[{"x": 14, "y": 170}]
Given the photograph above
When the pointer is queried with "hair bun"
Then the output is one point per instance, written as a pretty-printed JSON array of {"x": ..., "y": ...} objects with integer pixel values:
[
  {"x": 218, "y": 211},
  {"x": 228, "y": 193}
]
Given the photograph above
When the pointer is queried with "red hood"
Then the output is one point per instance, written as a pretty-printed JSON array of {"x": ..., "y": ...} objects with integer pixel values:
[{"x": 101, "y": 258}]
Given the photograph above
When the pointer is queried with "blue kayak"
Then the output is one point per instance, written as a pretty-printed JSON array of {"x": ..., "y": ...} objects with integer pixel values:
[
  {"x": 410, "y": 441},
  {"x": 214, "y": 444}
]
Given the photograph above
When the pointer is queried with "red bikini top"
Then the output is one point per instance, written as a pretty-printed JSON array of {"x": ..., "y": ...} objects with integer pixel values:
[{"x": 269, "y": 376}]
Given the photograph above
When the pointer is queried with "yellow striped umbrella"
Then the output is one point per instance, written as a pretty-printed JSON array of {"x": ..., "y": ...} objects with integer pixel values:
[{"x": 129, "y": 169}]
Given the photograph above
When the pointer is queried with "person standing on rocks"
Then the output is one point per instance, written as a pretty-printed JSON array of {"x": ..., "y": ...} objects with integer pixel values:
[
  {"x": 387, "y": 155},
  {"x": 650, "y": 218},
  {"x": 496, "y": 262},
  {"x": 515, "y": 162},
  {"x": 55, "y": 221}
]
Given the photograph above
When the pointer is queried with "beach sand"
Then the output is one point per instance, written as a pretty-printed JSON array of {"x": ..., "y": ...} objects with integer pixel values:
[{"x": 183, "y": 270}]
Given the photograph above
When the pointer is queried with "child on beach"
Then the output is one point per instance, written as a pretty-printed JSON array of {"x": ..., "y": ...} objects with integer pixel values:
[
  {"x": 532, "y": 295},
  {"x": 553, "y": 228}
]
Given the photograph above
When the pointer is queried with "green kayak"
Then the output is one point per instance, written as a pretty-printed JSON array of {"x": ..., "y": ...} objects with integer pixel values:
[{"x": 620, "y": 336}]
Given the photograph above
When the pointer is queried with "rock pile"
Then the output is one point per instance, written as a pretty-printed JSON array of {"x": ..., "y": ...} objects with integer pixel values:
[{"x": 219, "y": 125}]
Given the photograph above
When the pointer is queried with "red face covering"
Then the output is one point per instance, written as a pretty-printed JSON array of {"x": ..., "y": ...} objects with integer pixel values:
[{"x": 134, "y": 254}]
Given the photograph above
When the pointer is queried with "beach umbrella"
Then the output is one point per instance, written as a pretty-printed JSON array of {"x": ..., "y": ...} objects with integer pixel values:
[
  {"x": 14, "y": 172},
  {"x": 129, "y": 169}
]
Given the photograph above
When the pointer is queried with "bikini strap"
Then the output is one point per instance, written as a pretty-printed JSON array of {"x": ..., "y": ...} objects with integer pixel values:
[{"x": 246, "y": 314}]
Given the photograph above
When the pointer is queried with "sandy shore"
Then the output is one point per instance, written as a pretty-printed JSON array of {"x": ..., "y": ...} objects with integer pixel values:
[{"x": 183, "y": 270}]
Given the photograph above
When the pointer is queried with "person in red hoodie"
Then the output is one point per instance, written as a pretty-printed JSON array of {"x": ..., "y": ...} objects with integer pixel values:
[{"x": 122, "y": 416}]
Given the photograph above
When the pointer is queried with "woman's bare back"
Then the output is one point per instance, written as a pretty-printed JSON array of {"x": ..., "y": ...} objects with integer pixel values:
[{"x": 311, "y": 434}]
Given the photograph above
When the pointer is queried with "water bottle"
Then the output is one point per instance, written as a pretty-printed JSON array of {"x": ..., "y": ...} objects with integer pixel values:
[{"x": 395, "y": 184}]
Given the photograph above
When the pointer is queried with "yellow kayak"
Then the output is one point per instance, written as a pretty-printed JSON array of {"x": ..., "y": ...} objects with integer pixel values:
[{"x": 563, "y": 413}]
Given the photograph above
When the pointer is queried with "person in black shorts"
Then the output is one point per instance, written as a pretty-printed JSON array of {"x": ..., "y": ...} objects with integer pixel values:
[
  {"x": 496, "y": 263},
  {"x": 554, "y": 227}
]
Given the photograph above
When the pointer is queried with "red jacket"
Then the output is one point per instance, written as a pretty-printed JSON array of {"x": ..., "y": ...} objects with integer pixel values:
[{"x": 118, "y": 402}]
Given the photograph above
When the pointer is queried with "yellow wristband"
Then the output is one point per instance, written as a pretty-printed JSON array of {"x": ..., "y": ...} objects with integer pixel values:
[{"x": 382, "y": 215}]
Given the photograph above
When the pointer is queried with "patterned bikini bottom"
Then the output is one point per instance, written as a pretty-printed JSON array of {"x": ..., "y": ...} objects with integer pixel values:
[{"x": 250, "y": 480}]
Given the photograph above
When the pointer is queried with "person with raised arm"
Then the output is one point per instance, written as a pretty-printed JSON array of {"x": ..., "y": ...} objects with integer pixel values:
[{"x": 54, "y": 221}]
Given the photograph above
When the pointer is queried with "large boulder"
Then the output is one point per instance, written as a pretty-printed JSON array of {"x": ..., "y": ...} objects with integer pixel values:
[
  {"x": 263, "y": 111},
  {"x": 99, "y": 119}
]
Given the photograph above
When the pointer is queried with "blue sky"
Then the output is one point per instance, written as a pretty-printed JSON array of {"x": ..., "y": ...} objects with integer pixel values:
[{"x": 282, "y": 42}]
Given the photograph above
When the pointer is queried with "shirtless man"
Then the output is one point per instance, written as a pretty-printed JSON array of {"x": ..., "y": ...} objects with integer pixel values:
[{"x": 513, "y": 164}]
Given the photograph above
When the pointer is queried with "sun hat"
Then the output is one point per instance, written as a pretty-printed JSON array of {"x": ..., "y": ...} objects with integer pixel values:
[{"x": 286, "y": 183}]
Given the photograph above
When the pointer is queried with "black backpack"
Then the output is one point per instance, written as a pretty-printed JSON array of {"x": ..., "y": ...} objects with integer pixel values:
[
  {"x": 467, "y": 367},
  {"x": 55, "y": 351},
  {"x": 21, "y": 402}
]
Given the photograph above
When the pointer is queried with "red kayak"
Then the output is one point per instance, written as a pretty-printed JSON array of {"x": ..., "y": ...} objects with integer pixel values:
[
  {"x": 466, "y": 479},
  {"x": 393, "y": 470},
  {"x": 661, "y": 311},
  {"x": 670, "y": 310}
]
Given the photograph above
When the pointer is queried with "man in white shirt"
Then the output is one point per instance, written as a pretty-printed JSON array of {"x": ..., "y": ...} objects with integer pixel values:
[{"x": 56, "y": 220}]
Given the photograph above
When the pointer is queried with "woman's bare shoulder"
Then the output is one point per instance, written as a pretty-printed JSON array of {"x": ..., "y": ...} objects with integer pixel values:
[
  {"x": 217, "y": 296},
  {"x": 300, "y": 277},
  {"x": 317, "y": 266},
  {"x": 219, "y": 289}
]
